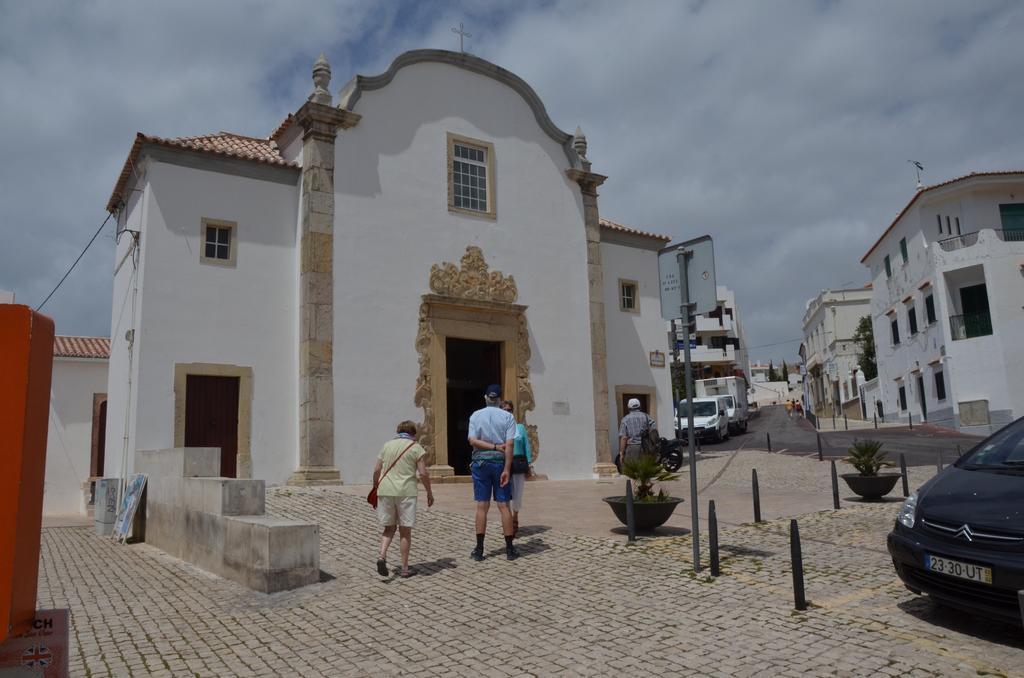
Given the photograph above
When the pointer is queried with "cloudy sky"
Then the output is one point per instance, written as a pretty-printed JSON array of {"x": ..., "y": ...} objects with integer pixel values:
[{"x": 782, "y": 128}]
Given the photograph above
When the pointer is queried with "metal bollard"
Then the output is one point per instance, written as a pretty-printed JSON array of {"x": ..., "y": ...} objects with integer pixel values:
[
  {"x": 938, "y": 463},
  {"x": 846, "y": 424},
  {"x": 713, "y": 538},
  {"x": 835, "y": 486},
  {"x": 630, "y": 513},
  {"x": 874, "y": 418},
  {"x": 797, "y": 560},
  {"x": 769, "y": 437},
  {"x": 903, "y": 475},
  {"x": 757, "y": 495},
  {"x": 910, "y": 421},
  {"x": 820, "y": 458}
]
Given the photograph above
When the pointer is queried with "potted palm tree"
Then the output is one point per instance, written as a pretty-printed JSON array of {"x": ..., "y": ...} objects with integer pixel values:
[
  {"x": 867, "y": 457},
  {"x": 650, "y": 509}
]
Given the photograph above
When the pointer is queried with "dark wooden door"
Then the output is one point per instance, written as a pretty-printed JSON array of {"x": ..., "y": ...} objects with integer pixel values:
[
  {"x": 211, "y": 417},
  {"x": 101, "y": 441}
]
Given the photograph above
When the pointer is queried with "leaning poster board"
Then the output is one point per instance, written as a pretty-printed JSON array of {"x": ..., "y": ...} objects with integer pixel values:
[{"x": 129, "y": 505}]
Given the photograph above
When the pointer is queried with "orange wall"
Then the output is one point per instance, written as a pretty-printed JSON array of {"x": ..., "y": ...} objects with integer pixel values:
[{"x": 26, "y": 361}]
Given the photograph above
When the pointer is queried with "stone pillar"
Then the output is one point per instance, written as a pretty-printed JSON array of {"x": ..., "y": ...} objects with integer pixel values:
[
  {"x": 588, "y": 182},
  {"x": 319, "y": 122}
]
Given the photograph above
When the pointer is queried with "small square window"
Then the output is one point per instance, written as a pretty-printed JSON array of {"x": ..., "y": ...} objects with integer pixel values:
[
  {"x": 629, "y": 299},
  {"x": 470, "y": 176},
  {"x": 218, "y": 245}
]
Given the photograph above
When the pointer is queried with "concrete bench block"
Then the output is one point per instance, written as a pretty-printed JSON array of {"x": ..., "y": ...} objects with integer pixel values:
[
  {"x": 271, "y": 554},
  {"x": 225, "y": 496},
  {"x": 179, "y": 462}
]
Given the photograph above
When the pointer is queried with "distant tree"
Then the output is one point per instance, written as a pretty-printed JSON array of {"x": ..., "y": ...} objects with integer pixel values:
[
  {"x": 864, "y": 338},
  {"x": 785, "y": 371},
  {"x": 772, "y": 374},
  {"x": 678, "y": 380}
]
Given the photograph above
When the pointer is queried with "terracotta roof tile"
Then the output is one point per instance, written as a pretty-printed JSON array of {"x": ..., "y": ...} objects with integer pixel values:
[
  {"x": 223, "y": 144},
  {"x": 285, "y": 124},
  {"x": 81, "y": 347},
  {"x": 612, "y": 226},
  {"x": 925, "y": 189}
]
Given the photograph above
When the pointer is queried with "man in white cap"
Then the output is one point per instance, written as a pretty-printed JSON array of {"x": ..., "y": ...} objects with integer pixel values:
[
  {"x": 632, "y": 430},
  {"x": 492, "y": 431}
]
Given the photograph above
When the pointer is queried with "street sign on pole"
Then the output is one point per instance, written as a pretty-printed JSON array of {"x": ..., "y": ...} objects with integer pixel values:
[{"x": 700, "y": 277}]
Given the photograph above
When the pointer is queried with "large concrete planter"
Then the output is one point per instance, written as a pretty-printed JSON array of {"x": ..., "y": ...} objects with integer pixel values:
[
  {"x": 871, "y": 487},
  {"x": 647, "y": 514}
]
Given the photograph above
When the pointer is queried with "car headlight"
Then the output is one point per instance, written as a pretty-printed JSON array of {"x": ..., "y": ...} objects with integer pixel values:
[{"x": 908, "y": 512}]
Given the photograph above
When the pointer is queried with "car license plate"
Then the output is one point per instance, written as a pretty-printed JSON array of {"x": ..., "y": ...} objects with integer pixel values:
[{"x": 955, "y": 568}]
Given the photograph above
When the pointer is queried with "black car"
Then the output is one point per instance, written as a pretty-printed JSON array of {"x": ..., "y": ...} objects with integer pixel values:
[{"x": 960, "y": 538}]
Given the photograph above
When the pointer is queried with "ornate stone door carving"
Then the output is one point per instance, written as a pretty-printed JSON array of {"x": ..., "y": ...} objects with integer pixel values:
[{"x": 469, "y": 302}]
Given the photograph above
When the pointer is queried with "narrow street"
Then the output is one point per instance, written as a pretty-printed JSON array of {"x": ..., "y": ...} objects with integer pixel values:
[{"x": 795, "y": 435}]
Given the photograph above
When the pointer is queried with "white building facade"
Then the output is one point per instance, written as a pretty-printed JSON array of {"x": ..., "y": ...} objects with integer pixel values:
[
  {"x": 946, "y": 305},
  {"x": 379, "y": 257},
  {"x": 75, "y": 439},
  {"x": 718, "y": 347},
  {"x": 829, "y": 352}
]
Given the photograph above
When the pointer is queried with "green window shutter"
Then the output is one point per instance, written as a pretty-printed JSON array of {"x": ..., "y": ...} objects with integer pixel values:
[{"x": 1012, "y": 216}]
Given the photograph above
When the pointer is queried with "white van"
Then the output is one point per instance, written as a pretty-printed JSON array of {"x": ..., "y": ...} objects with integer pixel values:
[
  {"x": 733, "y": 391},
  {"x": 710, "y": 422}
]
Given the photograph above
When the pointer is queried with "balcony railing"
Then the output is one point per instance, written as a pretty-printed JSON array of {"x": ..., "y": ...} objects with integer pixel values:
[
  {"x": 970, "y": 325},
  {"x": 1014, "y": 235},
  {"x": 958, "y": 242}
]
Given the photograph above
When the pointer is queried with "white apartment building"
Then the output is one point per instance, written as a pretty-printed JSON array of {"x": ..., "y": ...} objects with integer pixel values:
[
  {"x": 946, "y": 304},
  {"x": 759, "y": 372},
  {"x": 718, "y": 347},
  {"x": 829, "y": 352}
]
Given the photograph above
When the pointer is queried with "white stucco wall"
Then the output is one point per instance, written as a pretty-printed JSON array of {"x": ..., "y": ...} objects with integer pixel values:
[
  {"x": 241, "y": 315},
  {"x": 630, "y": 337},
  {"x": 392, "y": 224},
  {"x": 69, "y": 439},
  {"x": 980, "y": 368}
]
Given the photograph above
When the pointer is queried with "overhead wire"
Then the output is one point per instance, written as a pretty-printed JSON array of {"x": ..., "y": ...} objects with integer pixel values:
[{"x": 89, "y": 244}]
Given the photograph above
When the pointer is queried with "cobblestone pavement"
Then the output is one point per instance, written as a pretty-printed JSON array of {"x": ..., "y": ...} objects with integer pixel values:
[{"x": 573, "y": 605}]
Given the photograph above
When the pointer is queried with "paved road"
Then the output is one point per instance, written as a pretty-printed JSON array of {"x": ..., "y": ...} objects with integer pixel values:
[{"x": 796, "y": 436}]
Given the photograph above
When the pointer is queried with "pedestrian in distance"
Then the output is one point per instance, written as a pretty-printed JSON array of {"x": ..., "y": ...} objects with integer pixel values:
[
  {"x": 492, "y": 433},
  {"x": 522, "y": 466},
  {"x": 789, "y": 408},
  {"x": 399, "y": 463},
  {"x": 634, "y": 427},
  {"x": 799, "y": 409}
]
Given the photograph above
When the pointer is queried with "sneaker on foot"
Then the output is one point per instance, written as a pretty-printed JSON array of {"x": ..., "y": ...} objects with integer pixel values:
[
  {"x": 477, "y": 555},
  {"x": 512, "y": 553}
]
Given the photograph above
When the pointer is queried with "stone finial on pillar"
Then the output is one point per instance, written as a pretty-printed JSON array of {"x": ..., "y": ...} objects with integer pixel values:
[
  {"x": 579, "y": 142},
  {"x": 321, "y": 78}
]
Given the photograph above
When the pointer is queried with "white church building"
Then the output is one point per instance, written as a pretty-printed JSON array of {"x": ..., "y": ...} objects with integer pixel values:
[{"x": 384, "y": 254}]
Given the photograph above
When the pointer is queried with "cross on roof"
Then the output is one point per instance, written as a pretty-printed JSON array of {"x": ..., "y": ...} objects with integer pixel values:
[{"x": 462, "y": 33}]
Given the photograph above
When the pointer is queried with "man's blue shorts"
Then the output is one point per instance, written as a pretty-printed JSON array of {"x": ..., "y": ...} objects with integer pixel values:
[{"x": 487, "y": 481}]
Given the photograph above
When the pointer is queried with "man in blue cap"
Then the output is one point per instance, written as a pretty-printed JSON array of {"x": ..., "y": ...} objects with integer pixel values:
[{"x": 491, "y": 434}]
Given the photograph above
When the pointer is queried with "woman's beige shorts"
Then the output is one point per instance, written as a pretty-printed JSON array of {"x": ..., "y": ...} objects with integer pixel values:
[{"x": 396, "y": 511}]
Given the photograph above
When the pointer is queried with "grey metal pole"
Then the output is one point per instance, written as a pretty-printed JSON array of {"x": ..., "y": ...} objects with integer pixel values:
[
  {"x": 797, "y": 560},
  {"x": 630, "y": 513},
  {"x": 903, "y": 474},
  {"x": 820, "y": 458},
  {"x": 846, "y": 424},
  {"x": 768, "y": 436},
  {"x": 684, "y": 312},
  {"x": 875, "y": 418},
  {"x": 835, "y": 487},
  {"x": 910, "y": 421},
  {"x": 756, "y": 490},
  {"x": 713, "y": 538}
]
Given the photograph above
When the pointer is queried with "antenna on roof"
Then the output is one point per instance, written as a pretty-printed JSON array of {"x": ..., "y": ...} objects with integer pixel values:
[{"x": 919, "y": 168}]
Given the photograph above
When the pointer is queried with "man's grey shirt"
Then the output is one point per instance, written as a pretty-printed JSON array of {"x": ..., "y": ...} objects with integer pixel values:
[{"x": 634, "y": 425}]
